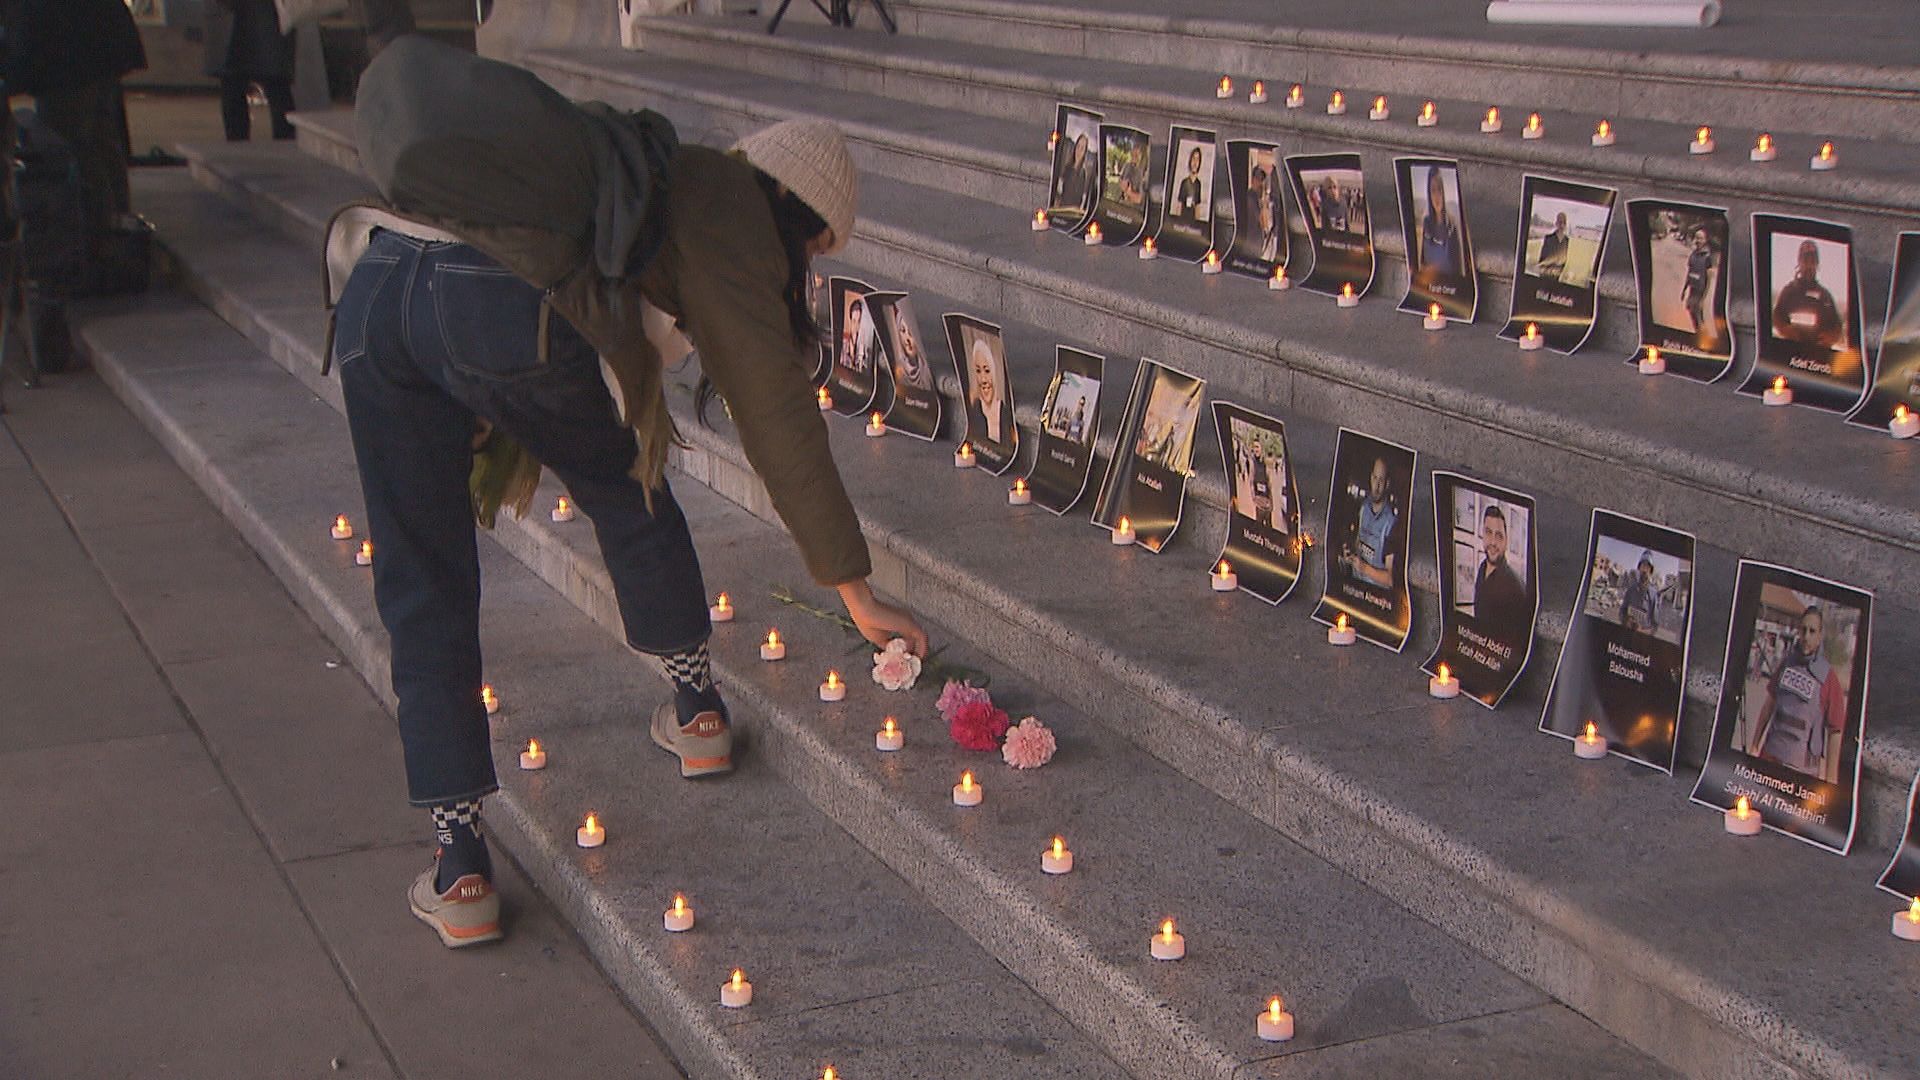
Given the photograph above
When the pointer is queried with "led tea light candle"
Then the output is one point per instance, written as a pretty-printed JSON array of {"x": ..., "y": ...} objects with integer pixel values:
[
  {"x": 1279, "y": 282},
  {"x": 736, "y": 992},
  {"x": 1223, "y": 578},
  {"x": 773, "y": 648},
  {"x": 590, "y": 834},
  {"x": 1057, "y": 859},
  {"x": 1534, "y": 129},
  {"x": 1341, "y": 632},
  {"x": 1123, "y": 533},
  {"x": 1053, "y": 141},
  {"x": 1490, "y": 124},
  {"x": 1379, "y": 110},
  {"x": 828, "y": 1074},
  {"x": 1763, "y": 149},
  {"x": 1211, "y": 264},
  {"x": 1092, "y": 237},
  {"x": 1905, "y": 424},
  {"x": 1906, "y": 924},
  {"x": 342, "y": 528},
  {"x": 1779, "y": 393},
  {"x": 1434, "y": 320},
  {"x": 1347, "y": 298},
  {"x": 1603, "y": 133},
  {"x": 1443, "y": 685},
  {"x": 1742, "y": 820},
  {"x": 1296, "y": 96},
  {"x": 1019, "y": 494},
  {"x": 1039, "y": 223},
  {"x": 1531, "y": 340},
  {"x": 678, "y": 919},
  {"x": 966, "y": 792},
  {"x": 1167, "y": 945},
  {"x": 1702, "y": 142},
  {"x": 1149, "y": 249},
  {"x": 963, "y": 456},
  {"x": 1258, "y": 96},
  {"x": 364, "y": 557},
  {"x": 1589, "y": 746},
  {"x": 1652, "y": 363},
  {"x": 1826, "y": 160},
  {"x": 1337, "y": 104},
  {"x": 534, "y": 757},
  {"x": 876, "y": 426},
  {"x": 1225, "y": 89},
  {"x": 721, "y": 610},
  {"x": 562, "y": 510},
  {"x": 833, "y": 689},
  {"x": 1275, "y": 1023},
  {"x": 889, "y": 738},
  {"x": 1428, "y": 116},
  {"x": 489, "y": 698},
  {"x": 824, "y": 397}
]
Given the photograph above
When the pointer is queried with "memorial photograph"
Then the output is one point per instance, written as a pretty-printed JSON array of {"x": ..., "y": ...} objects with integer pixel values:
[
  {"x": 1807, "y": 313},
  {"x": 1562, "y": 242},
  {"x": 1331, "y": 192},
  {"x": 1259, "y": 215},
  {"x": 1075, "y": 178},
  {"x": 1433, "y": 224},
  {"x": 980, "y": 363},
  {"x": 1682, "y": 280},
  {"x": 1489, "y": 594},
  {"x": 1367, "y": 535},
  {"x": 1263, "y": 543}
]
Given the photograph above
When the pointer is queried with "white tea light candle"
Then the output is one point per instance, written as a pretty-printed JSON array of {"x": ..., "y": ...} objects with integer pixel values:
[
  {"x": 1428, "y": 116},
  {"x": 1258, "y": 96},
  {"x": 963, "y": 456},
  {"x": 1906, "y": 924},
  {"x": 562, "y": 510},
  {"x": 833, "y": 689},
  {"x": 1223, "y": 578},
  {"x": 1434, "y": 320},
  {"x": 1652, "y": 363},
  {"x": 1341, "y": 632},
  {"x": 1040, "y": 223},
  {"x": 1603, "y": 133},
  {"x": 876, "y": 426},
  {"x": 1149, "y": 249},
  {"x": 1275, "y": 1023},
  {"x": 1534, "y": 129},
  {"x": 1347, "y": 298},
  {"x": 1531, "y": 341},
  {"x": 1743, "y": 819},
  {"x": 721, "y": 610},
  {"x": 1167, "y": 944},
  {"x": 1905, "y": 424},
  {"x": 1296, "y": 96},
  {"x": 1019, "y": 494},
  {"x": 590, "y": 834},
  {"x": 1337, "y": 104},
  {"x": 1379, "y": 110},
  {"x": 1702, "y": 142},
  {"x": 342, "y": 528},
  {"x": 1589, "y": 746},
  {"x": 1826, "y": 160},
  {"x": 736, "y": 992},
  {"x": 1779, "y": 393},
  {"x": 364, "y": 557},
  {"x": 1763, "y": 149},
  {"x": 1057, "y": 859},
  {"x": 678, "y": 919},
  {"x": 1490, "y": 124},
  {"x": 489, "y": 698},
  {"x": 1122, "y": 533},
  {"x": 534, "y": 757},
  {"x": 889, "y": 738},
  {"x": 1443, "y": 685},
  {"x": 773, "y": 648},
  {"x": 966, "y": 792}
]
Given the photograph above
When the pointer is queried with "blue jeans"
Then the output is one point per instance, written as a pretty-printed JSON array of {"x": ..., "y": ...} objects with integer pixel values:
[{"x": 428, "y": 337}]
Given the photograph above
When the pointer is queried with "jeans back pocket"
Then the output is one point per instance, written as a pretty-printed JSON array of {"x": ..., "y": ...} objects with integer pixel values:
[{"x": 489, "y": 321}]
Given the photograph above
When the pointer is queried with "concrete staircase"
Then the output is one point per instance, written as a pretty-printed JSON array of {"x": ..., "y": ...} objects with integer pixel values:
[{"x": 1438, "y": 892}]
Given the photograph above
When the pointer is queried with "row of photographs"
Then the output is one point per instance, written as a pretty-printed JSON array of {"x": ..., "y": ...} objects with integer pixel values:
[
  {"x": 1792, "y": 711},
  {"x": 1806, "y": 286}
]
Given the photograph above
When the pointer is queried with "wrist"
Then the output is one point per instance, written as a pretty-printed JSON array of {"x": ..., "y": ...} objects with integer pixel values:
[{"x": 855, "y": 593}]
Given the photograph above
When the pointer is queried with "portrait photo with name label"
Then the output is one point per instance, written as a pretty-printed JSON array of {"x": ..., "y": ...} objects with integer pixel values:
[
  {"x": 1152, "y": 455},
  {"x": 1126, "y": 177},
  {"x": 1807, "y": 313},
  {"x": 1074, "y": 184},
  {"x": 916, "y": 406},
  {"x": 1263, "y": 544},
  {"x": 1433, "y": 222},
  {"x": 854, "y": 380},
  {"x": 1331, "y": 192},
  {"x": 1069, "y": 424},
  {"x": 1792, "y": 709},
  {"x": 1186, "y": 214},
  {"x": 980, "y": 362},
  {"x": 1623, "y": 666},
  {"x": 1681, "y": 274},
  {"x": 1369, "y": 530},
  {"x": 1489, "y": 590},
  {"x": 1563, "y": 241},
  {"x": 1896, "y": 371},
  {"x": 1259, "y": 214}
]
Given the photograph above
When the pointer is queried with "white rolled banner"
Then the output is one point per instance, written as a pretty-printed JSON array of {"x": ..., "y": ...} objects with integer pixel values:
[{"x": 1684, "y": 14}]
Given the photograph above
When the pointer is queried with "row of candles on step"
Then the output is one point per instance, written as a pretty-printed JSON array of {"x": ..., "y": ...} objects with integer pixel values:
[
  {"x": 1764, "y": 148},
  {"x": 1741, "y": 820}
]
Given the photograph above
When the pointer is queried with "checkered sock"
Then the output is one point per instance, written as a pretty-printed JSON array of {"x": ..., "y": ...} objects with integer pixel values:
[
  {"x": 691, "y": 673},
  {"x": 463, "y": 851}
]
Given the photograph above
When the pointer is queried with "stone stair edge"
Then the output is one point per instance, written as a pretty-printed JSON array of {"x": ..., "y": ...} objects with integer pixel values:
[
  {"x": 530, "y": 833},
  {"x": 1872, "y": 194},
  {"x": 1621, "y": 62},
  {"x": 1209, "y": 492}
]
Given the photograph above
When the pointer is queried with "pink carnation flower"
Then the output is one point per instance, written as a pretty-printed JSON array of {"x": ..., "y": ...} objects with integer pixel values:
[
  {"x": 1029, "y": 745},
  {"x": 894, "y": 668},
  {"x": 977, "y": 725},
  {"x": 957, "y": 694}
]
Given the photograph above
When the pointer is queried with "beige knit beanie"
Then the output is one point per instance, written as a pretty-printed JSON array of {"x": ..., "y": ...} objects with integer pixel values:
[{"x": 810, "y": 157}]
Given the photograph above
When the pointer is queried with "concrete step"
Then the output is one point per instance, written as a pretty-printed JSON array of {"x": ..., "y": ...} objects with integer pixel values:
[
  {"x": 1024, "y": 84},
  {"x": 775, "y": 882},
  {"x": 1602, "y": 437},
  {"x": 297, "y": 197},
  {"x": 1075, "y": 940},
  {"x": 1614, "y": 929},
  {"x": 1845, "y": 67}
]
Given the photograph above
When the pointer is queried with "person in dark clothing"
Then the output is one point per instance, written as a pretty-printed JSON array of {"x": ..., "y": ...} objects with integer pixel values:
[
  {"x": 1640, "y": 607},
  {"x": 1553, "y": 250},
  {"x": 1500, "y": 603},
  {"x": 1701, "y": 263},
  {"x": 245, "y": 48},
  {"x": 70, "y": 55},
  {"x": 1804, "y": 312}
]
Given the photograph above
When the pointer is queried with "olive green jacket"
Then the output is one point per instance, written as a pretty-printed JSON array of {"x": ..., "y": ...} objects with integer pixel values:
[{"x": 721, "y": 276}]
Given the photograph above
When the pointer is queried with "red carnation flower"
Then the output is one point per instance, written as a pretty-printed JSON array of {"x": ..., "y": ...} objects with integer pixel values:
[{"x": 978, "y": 725}]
